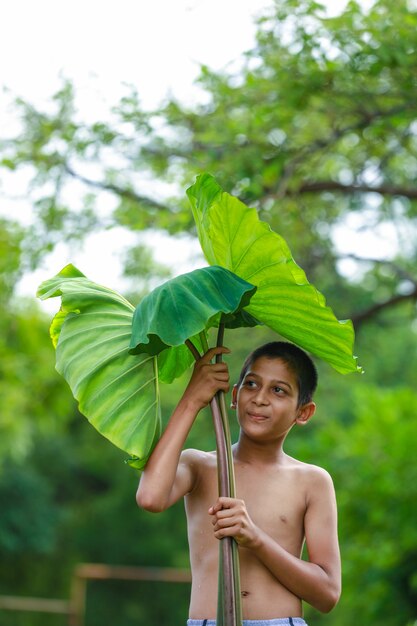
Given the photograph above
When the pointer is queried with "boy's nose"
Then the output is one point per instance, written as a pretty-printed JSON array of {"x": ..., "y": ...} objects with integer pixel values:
[{"x": 260, "y": 397}]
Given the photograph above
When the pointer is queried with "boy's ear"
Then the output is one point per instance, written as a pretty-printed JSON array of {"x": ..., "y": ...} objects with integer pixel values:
[
  {"x": 305, "y": 413},
  {"x": 234, "y": 397}
]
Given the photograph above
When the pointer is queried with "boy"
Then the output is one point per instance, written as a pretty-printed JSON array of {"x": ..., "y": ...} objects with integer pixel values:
[{"x": 281, "y": 501}]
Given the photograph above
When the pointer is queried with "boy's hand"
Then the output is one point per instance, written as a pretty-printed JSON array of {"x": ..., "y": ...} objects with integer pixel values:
[
  {"x": 207, "y": 379},
  {"x": 231, "y": 519}
]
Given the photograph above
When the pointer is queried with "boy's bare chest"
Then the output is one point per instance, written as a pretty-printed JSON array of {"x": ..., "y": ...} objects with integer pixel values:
[{"x": 275, "y": 499}]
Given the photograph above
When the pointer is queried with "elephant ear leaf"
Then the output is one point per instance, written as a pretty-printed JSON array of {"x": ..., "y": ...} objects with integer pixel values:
[
  {"x": 117, "y": 392},
  {"x": 233, "y": 237},
  {"x": 182, "y": 309}
]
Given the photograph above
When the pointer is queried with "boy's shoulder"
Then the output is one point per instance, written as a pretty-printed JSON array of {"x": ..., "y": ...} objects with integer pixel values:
[
  {"x": 317, "y": 485},
  {"x": 314, "y": 475},
  {"x": 194, "y": 457}
]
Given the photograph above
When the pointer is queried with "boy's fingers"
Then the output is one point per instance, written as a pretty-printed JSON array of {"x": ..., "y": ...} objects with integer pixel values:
[
  {"x": 226, "y": 503},
  {"x": 219, "y": 368},
  {"x": 224, "y": 523},
  {"x": 206, "y": 358},
  {"x": 222, "y": 507},
  {"x": 222, "y": 379},
  {"x": 232, "y": 531},
  {"x": 225, "y": 513},
  {"x": 215, "y": 508}
]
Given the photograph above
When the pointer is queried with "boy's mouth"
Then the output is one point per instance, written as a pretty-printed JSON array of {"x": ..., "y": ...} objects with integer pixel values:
[{"x": 257, "y": 417}]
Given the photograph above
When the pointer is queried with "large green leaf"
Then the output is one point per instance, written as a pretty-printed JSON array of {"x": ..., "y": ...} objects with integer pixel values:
[
  {"x": 116, "y": 391},
  {"x": 233, "y": 237},
  {"x": 184, "y": 307}
]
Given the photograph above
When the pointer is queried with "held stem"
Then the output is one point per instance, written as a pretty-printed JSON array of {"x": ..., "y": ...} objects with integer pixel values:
[
  {"x": 229, "y": 605},
  {"x": 237, "y": 602}
]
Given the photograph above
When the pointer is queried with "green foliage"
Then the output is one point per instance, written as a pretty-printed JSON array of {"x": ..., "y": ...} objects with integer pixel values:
[
  {"x": 232, "y": 236},
  {"x": 17, "y": 503},
  {"x": 316, "y": 130},
  {"x": 11, "y": 236},
  {"x": 117, "y": 392},
  {"x": 75, "y": 483},
  {"x": 381, "y": 480},
  {"x": 90, "y": 331},
  {"x": 34, "y": 399},
  {"x": 370, "y": 457},
  {"x": 181, "y": 309}
]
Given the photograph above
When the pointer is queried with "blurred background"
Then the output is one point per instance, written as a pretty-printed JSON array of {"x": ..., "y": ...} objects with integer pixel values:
[{"x": 108, "y": 112}]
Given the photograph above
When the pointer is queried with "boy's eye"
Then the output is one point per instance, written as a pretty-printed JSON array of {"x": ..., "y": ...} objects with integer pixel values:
[
  {"x": 278, "y": 390},
  {"x": 249, "y": 383}
]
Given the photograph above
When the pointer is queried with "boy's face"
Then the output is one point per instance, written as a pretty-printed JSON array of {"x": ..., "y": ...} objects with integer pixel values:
[{"x": 267, "y": 400}]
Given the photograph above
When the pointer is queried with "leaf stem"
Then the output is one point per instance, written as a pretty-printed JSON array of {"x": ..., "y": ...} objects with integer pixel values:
[
  {"x": 192, "y": 349},
  {"x": 229, "y": 611},
  {"x": 232, "y": 550}
]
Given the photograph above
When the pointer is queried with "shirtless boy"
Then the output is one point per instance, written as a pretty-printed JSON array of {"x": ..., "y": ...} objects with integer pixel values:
[{"x": 281, "y": 502}]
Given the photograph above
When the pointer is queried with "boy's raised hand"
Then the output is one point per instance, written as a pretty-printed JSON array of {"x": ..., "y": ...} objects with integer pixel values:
[
  {"x": 207, "y": 379},
  {"x": 231, "y": 519}
]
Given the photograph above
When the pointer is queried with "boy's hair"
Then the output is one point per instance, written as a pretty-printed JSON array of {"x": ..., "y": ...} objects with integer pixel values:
[{"x": 296, "y": 359}]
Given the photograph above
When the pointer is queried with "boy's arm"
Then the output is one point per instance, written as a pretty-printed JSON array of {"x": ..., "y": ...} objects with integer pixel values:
[
  {"x": 318, "y": 580},
  {"x": 170, "y": 474}
]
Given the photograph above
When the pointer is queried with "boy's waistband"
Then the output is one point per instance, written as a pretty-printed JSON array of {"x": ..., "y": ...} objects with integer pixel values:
[{"x": 286, "y": 621}]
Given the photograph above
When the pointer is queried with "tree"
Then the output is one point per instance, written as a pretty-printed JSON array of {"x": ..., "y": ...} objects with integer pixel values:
[
  {"x": 375, "y": 477},
  {"x": 316, "y": 128},
  {"x": 25, "y": 360}
]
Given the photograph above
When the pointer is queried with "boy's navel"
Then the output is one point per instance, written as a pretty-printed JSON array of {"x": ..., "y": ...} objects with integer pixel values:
[{"x": 244, "y": 594}]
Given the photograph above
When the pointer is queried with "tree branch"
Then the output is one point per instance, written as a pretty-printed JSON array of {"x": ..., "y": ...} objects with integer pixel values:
[
  {"x": 123, "y": 192},
  {"x": 366, "y": 119},
  {"x": 399, "y": 271},
  {"x": 359, "y": 318},
  {"x": 331, "y": 185}
]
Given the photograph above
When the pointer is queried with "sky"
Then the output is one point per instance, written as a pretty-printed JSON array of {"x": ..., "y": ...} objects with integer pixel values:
[{"x": 155, "y": 45}]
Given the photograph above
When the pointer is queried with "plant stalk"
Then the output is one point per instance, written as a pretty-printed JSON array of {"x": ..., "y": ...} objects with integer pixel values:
[
  {"x": 229, "y": 612},
  {"x": 234, "y": 551}
]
